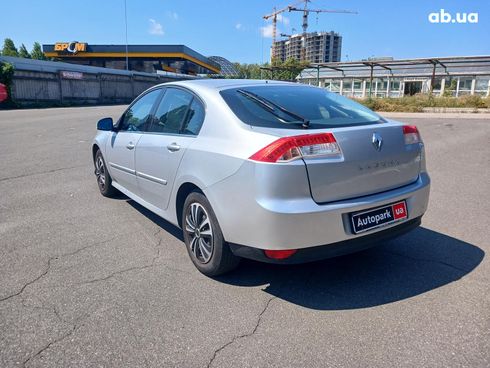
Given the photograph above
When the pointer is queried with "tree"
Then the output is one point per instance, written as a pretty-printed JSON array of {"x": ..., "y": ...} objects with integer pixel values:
[
  {"x": 249, "y": 71},
  {"x": 6, "y": 73},
  {"x": 278, "y": 70},
  {"x": 9, "y": 48},
  {"x": 288, "y": 70},
  {"x": 23, "y": 53},
  {"x": 448, "y": 90},
  {"x": 37, "y": 52}
]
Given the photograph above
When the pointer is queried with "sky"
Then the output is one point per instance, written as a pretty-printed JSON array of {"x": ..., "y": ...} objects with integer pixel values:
[{"x": 236, "y": 30}]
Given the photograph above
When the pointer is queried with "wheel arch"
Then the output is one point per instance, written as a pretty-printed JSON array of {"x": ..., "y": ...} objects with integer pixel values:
[
  {"x": 184, "y": 190},
  {"x": 95, "y": 148}
]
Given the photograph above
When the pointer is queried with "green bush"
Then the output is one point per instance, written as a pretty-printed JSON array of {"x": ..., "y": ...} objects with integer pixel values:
[
  {"x": 473, "y": 101},
  {"x": 417, "y": 103},
  {"x": 486, "y": 101}
]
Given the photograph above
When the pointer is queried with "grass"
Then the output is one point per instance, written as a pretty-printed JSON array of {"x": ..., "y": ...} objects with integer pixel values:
[{"x": 418, "y": 102}]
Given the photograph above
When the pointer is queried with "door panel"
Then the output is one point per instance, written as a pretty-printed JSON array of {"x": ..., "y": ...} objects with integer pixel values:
[
  {"x": 158, "y": 157},
  {"x": 120, "y": 158},
  {"x": 175, "y": 124},
  {"x": 121, "y": 147}
]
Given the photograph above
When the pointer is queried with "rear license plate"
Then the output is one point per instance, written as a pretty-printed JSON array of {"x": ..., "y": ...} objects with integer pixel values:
[{"x": 373, "y": 218}]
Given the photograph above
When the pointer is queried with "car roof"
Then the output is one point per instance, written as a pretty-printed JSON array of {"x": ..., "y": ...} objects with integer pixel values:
[{"x": 220, "y": 84}]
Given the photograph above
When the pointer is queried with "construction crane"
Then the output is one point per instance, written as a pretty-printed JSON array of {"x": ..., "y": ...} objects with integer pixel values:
[
  {"x": 274, "y": 15},
  {"x": 306, "y": 12},
  {"x": 293, "y": 31}
]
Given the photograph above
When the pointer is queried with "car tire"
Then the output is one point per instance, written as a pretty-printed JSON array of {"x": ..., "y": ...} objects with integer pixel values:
[
  {"x": 104, "y": 180},
  {"x": 203, "y": 238}
]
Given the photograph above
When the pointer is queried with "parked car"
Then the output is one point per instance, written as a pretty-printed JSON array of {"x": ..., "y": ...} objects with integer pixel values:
[
  {"x": 3, "y": 92},
  {"x": 272, "y": 171}
]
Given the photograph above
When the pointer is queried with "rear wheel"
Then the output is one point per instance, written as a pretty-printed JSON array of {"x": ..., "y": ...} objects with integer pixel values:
[
  {"x": 104, "y": 180},
  {"x": 203, "y": 237}
]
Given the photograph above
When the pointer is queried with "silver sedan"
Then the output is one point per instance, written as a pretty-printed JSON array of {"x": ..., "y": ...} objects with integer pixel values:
[{"x": 272, "y": 171}]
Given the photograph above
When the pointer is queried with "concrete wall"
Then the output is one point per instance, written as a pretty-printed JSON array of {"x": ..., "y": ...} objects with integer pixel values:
[
  {"x": 57, "y": 83},
  {"x": 31, "y": 87}
]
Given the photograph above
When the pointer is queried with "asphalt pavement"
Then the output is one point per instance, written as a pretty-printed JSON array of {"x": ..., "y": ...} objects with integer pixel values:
[{"x": 87, "y": 281}]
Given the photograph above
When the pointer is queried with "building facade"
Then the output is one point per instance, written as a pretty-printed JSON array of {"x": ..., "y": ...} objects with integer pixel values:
[
  {"x": 320, "y": 47},
  {"x": 141, "y": 58},
  {"x": 443, "y": 76}
]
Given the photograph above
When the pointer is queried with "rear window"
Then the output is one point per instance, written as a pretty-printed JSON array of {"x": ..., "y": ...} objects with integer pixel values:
[{"x": 284, "y": 106}]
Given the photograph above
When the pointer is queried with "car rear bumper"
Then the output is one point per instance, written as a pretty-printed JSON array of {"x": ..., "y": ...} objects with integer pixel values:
[
  {"x": 330, "y": 250},
  {"x": 253, "y": 212}
]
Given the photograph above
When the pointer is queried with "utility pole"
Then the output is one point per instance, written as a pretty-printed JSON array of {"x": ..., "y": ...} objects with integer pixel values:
[{"x": 126, "y": 23}]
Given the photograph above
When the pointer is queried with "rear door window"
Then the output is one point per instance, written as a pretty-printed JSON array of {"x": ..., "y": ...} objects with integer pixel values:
[
  {"x": 172, "y": 111},
  {"x": 194, "y": 118}
]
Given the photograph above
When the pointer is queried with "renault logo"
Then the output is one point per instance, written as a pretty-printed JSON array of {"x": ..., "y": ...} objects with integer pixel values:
[{"x": 377, "y": 141}]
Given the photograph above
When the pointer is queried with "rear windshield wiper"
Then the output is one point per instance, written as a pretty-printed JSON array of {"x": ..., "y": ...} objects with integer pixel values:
[{"x": 272, "y": 107}]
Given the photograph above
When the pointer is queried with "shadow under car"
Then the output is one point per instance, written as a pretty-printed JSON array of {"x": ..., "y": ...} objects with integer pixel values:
[{"x": 404, "y": 267}]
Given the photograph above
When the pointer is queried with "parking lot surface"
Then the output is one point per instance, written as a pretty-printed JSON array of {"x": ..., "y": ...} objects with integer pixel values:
[{"x": 88, "y": 281}]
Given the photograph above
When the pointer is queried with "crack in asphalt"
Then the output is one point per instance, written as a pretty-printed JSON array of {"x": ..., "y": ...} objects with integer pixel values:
[
  {"x": 157, "y": 245},
  {"x": 236, "y": 338},
  {"x": 308, "y": 280},
  {"x": 48, "y": 345},
  {"x": 116, "y": 273},
  {"x": 427, "y": 260},
  {"x": 133, "y": 335},
  {"x": 48, "y": 267},
  {"x": 54, "y": 309},
  {"x": 51, "y": 308},
  {"x": 70, "y": 332},
  {"x": 134, "y": 268},
  {"x": 254, "y": 330},
  {"x": 29, "y": 282},
  {"x": 153, "y": 263},
  {"x": 41, "y": 172}
]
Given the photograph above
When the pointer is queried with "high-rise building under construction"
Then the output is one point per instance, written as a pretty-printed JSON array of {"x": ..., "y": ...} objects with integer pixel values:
[{"x": 320, "y": 47}]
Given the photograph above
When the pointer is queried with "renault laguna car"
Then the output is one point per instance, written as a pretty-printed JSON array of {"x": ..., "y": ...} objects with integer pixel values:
[{"x": 272, "y": 171}]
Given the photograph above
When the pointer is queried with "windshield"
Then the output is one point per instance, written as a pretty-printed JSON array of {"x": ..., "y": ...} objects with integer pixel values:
[{"x": 320, "y": 108}]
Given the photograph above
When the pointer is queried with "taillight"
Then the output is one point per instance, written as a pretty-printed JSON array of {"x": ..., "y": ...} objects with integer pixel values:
[
  {"x": 279, "y": 254},
  {"x": 411, "y": 134},
  {"x": 290, "y": 148}
]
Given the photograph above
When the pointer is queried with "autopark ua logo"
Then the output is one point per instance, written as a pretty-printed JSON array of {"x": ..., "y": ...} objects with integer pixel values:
[{"x": 444, "y": 17}]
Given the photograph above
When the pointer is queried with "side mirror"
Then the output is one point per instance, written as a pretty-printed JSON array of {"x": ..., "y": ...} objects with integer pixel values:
[{"x": 105, "y": 124}]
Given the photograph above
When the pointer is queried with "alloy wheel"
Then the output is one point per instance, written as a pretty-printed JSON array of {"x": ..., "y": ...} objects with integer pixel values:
[
  {"x": 198, "y": 227},
  {"x": 100, "y": 172}
]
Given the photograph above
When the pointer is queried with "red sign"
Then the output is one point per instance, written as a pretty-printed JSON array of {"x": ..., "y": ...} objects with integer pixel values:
[
  {"x": 399, "y": 210},
  {"x": 3, "y": 92}
]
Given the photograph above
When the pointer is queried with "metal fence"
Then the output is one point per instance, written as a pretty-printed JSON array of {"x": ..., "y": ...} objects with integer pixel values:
[{"x": 52, "y": 83}]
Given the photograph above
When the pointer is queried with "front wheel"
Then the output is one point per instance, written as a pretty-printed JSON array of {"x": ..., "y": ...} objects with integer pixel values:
[
  {"x": 203, "y": 237},
  {"x": 104, "y": 180}
]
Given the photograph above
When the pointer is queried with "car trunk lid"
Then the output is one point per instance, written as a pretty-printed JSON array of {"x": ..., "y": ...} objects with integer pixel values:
[{"x": 374, "y": 159}]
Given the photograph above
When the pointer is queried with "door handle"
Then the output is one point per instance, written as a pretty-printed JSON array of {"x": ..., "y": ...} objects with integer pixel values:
[
  {"x": 173, "y": 147},
  {"x": 130, "y": 146}
]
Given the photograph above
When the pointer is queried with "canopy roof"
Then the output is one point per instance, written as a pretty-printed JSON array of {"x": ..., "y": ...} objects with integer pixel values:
[{"x": 423, "y": 67}]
